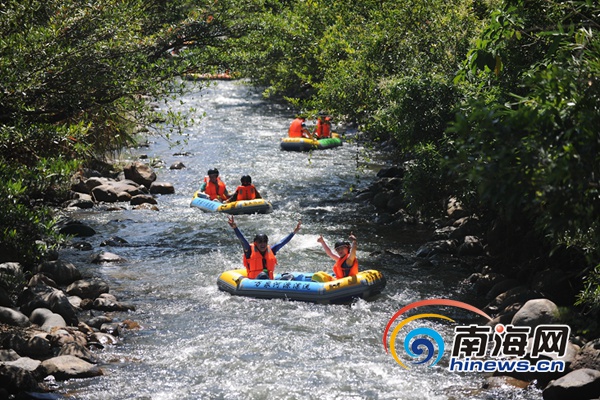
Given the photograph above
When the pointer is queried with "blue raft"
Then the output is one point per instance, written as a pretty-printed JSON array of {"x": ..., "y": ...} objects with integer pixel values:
[
  {"x": 304, "y": 287},
  {"x": 256, "y": 206}
]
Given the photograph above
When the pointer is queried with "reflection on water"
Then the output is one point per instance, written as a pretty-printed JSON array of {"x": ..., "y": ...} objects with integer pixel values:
[{"x": 199, "y": 343}]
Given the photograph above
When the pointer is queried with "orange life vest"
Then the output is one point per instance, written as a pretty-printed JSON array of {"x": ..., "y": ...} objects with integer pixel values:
[
  {"x": 258, "y": 263},
  {"x": 213, "y": 191},
  {"x": 296, "y": 128},
  {"x": 246, "y": 192},
  {"x": 323, "y": 129},
  {"x": 341, "y": 270}
]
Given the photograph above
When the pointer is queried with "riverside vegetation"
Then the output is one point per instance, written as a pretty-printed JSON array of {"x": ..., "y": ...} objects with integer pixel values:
[{"x": 494, "y": 103}]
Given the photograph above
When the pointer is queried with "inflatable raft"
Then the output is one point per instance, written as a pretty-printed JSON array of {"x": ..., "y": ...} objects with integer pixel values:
[
  {"x": 256, "y": 206},
  {"x": 303, "y": 287},
  {"x": 303, "y": 144}
]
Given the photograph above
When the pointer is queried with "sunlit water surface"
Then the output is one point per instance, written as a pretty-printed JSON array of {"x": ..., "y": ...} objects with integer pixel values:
[{"x": 200, "y": 343}]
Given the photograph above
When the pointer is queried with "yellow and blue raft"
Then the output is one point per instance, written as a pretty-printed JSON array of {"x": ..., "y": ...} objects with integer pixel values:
[
  {"x": 308, "y": 287},
  {"x": 256, "y": 206}
]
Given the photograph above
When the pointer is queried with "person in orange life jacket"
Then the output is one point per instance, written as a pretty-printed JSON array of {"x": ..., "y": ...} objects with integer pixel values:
[
  {"x": 259, "y": 258},
  {"x": 346, "y": 263},
  {"x": 323, "y": 128},
  {"x": 298, "y": 128},
  {"x": 213, "y": 186},
  {"x": 246, "y": 191}
]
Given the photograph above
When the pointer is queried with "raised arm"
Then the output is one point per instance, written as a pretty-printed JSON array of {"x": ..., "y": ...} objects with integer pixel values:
[
  {"x": 352, "y": 255},
  {"x": 239, "y": 234},
  {"x": 327, "y": 249},
  {"x": 276, "y": 247}
]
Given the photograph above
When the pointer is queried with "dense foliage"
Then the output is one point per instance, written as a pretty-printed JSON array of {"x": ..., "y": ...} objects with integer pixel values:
[
  {"x": 76, "y": 81},
  {"x": 493, "y": 101}
]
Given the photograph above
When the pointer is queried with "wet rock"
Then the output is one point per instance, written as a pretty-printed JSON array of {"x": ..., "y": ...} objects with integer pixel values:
[
  {"x": 437, "y": 247},
  {"x": 581, "y": 384},
  {"x": 162, "y": 188},
  {"x": 140, "y": 173},
  {"x": 177, "y": 165},
  {"x": 141, "y": 199},
  {"x": 79, "y": 203},
  {"x": 146, "y": 206},
  {"x": 114, "y": 241},
  {"x": 69, "y": 367},
  {"x": 105, "y": 193},
  {"x": 82, "y": 246},
  {"x": 75, "y": 228},
  {"x": 108, "y": 303},
  {"x": 88, "y": 288},
  {"x": 107, "y": 257},
  {"x": 77, "y": 350},
  {"x": 96, "y": 322},
  {"x": 104, "y": 339}
]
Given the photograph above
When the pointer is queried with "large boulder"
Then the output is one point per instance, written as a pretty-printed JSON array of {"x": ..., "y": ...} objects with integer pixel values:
[
  {"x": 105, "y": 193},
  {"x": 581, "y": 384},
  {"x": 69, "y": 367},
  {"x": 14, "y": 379},
  {"x": 50, "y": 298},
  {"x": 588, "y": 356},
  {"x": 78, "y": 229},
  {"x": 12, "y": 317},
  {"x": 61, "y": 272},
  {"x": 88, "y": 288},
  {"x": 142, "y": 199},
  {"x": 162, "y": 188},
  {"x": 536, "y": 312},
  {"x": 46, "y": 319},
  {"x": 139, "y": 173}
]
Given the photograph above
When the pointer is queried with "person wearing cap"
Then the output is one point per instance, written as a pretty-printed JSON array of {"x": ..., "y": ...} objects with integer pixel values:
[
  {"x": 246, "y": 191},
  {"x": 298, "y": 128},
  {"x": 346, "y": 263},
  {"x": 259, "y": 258},
  {"x": 213, "y": 186},
  {"x": 323, "y": 128}
]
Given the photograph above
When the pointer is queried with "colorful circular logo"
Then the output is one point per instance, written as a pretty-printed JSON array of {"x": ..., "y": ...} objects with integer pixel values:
[{"x": 421, "y": 343}]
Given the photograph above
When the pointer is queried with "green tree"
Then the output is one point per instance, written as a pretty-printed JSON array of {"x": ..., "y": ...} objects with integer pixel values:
[
  {"x": 527, "y": 142},
  {"x": 77, "y": 79}
]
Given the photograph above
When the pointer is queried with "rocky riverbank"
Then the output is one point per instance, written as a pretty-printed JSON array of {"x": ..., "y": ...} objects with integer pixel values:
[
  {"x": 504, "y": 283},
  {"x": 55, "y": 326}
]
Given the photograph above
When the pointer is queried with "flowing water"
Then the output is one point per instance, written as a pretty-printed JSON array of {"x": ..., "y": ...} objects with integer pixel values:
[{"x": 199, "y": 343}]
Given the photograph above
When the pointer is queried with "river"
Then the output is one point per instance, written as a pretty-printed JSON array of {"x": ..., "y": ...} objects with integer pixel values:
[{"x": 199, "y": 343}]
